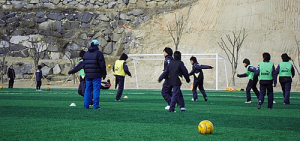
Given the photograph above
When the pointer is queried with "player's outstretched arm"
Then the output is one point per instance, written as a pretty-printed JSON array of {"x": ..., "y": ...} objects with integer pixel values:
[{"x": 77, "y": 68}]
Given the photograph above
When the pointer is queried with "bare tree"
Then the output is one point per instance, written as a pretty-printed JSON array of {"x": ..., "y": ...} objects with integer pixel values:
[
  {"x": 36, "y": 50},
  {"x": 297, "y": 52},
  {"x": 5, "y": 52},
  {"x": 176, "y": 29},
  {"x": 232, "y": 49}
]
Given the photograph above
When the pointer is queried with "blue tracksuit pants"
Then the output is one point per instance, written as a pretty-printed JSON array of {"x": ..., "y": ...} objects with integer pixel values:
[{"x": 93, "y": 86}]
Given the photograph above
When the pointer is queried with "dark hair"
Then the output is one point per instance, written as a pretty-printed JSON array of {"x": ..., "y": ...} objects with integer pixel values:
[
  {"x": 168, "y": 50},
  {"x": 177, "y": 55},
  {"x": 194, "y": 59},
  {"x": 124, "y": 57},
  {"x": 285, "y": 57},
  {"x": 108, "y": 80},
  {"x": 246, "y": 61},
  {"x": 39, "y": 67},
  {"x": 266, "y": 56},
  {"x": 82, "y": 52}
]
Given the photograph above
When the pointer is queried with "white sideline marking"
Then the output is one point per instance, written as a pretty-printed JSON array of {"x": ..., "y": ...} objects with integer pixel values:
[{"x": 11, "y": 93}]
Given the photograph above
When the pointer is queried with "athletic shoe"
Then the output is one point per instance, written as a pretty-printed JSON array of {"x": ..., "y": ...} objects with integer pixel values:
[
  {"x": 259, "y": 105},
  {"x": 167, "y": 107},
  {"x": 274, "y": 101},
  {"x": 118, "y": 100},
  {"x": 98, "y": 108},
  {"x": 172, "y": 111},
  {"x": 205, "y": 98},
  {"x": 194, "y": 99},
  {"x": 248, "y": 102},
  {"x": 182, "y": 109}
]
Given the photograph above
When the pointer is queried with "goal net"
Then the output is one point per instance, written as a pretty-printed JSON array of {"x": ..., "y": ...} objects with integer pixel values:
[{"x": 146, "y": 69}]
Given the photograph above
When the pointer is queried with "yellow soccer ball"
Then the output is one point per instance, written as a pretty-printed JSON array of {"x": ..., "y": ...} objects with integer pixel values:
[
  {"x": 48, "y": 89},
  {"x": 1, "y": 87},
  {"x": 205, "y": 127},
  {"x": 108, "y": 66}
]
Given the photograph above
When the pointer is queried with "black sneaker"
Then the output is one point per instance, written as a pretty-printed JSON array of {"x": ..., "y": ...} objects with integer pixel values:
[
  {"x": 259, "y": 105},
  {"x": 99, "y": 108},
  {"x": 205, "y": 99}
]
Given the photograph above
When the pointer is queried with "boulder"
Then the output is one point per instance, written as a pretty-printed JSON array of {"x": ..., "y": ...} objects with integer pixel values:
[
  {"x": 4, "y": 44},
  {"x": 56, "y": 69},
  {"x": 55, "y": 55},
  {"x": 18, "y": 39},
  {"x": 46, "y": 70},
  {"x": 17, "y": 47},
  {"x": 136, "y": 12},
  {"x": 55, "y": 16},
  {"x": 27, "y": 69},
  {"x": 72, "y": 46},
  {"x": 85, "y": 17}
]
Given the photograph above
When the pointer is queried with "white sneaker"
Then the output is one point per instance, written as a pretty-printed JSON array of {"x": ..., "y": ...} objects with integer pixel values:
[
  {"x": 167, "y": 107},
  {"x": 194, "y": 99},
  {"x": 248, "y": 102},
  {"x": 182, "y": 109},
  {"x": 274, "y": 101}
]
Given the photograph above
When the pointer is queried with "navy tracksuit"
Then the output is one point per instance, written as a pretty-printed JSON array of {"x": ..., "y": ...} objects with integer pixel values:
[
  {"x": 175, "y": 70},
  {"x": 285, "y": 83},
  {"x": 198, "y": 79},
  {"x": 251, "y": 84},
  {"x": 38, "y": 77},
  {"x": 166, "y": 90},
  {"x": 11, "y": 75}
]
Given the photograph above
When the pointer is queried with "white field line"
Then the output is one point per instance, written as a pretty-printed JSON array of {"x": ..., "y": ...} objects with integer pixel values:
[{"x": 124, "y": 93}]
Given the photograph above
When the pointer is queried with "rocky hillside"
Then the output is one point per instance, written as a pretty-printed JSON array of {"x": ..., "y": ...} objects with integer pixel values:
[{"x": 271, "y": 25}]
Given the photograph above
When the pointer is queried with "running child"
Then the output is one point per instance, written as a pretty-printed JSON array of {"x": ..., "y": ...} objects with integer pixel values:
[
  {"x": 198, "y": 78},
  {"x": 250, "y": 71}
]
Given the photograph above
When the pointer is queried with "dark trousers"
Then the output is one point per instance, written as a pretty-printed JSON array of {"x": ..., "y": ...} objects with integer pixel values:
[
  {"x": 286, "y": 89},
  {"x": 81, "y": 87},
  {"x": 263, "y": 89},
  {"x": 251, "y": 85},
  {"x": 198, "y": 83},
  {"x": 11, "y": 83},
  {"x": 120, "y": 80},
  {"x": 166, "y": 91},
  {"x": 176, "y": 98},
  {"x": 38, "y": 85}
]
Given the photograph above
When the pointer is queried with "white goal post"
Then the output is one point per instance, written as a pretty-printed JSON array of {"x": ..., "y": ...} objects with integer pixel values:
[{"x": 152, "y": 65}]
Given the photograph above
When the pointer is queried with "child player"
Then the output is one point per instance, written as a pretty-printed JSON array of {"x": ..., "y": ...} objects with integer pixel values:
[
  {"x": 250, "y": 71},
  {"x": 175, "y": 71},
  {"x": 266, "y": 76},
  {"x": 286, "y": 71},
  {"x": 38, "y": 78},
  {"x": 198, "y": 78},
  {"x": 120, "y": 70},
  {"x": 166, "y": 90},
  {"x": 79, "y": 66}
]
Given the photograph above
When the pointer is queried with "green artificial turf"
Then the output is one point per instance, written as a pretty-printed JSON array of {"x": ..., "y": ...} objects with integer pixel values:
[{"x": 26, "y": 114}]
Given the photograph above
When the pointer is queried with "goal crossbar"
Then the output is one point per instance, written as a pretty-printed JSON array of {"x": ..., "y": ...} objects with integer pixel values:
[{"x": 216, "y": 56}]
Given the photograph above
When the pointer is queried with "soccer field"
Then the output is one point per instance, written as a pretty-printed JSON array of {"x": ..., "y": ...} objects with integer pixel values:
[{"x": 27, "y": 114}]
